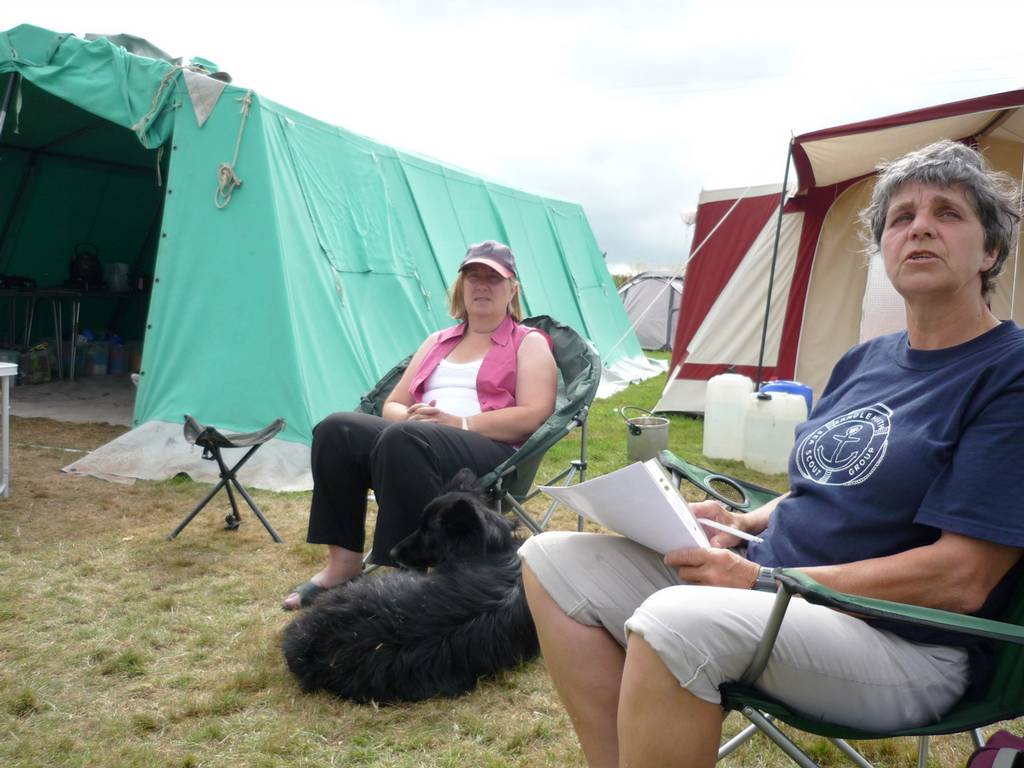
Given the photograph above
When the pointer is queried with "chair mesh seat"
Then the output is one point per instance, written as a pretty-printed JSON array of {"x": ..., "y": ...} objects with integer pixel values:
[{"x": 208, "y": 437}]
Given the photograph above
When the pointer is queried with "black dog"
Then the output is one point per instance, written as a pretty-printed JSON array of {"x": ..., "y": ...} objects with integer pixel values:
[{"x": 410, "y": 635}]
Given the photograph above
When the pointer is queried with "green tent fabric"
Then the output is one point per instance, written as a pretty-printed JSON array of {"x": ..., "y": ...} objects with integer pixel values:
[{"x": 294, "y": 295}]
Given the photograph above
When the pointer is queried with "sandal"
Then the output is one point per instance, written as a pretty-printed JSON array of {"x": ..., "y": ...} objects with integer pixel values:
[{"x": 307, "y": 592}]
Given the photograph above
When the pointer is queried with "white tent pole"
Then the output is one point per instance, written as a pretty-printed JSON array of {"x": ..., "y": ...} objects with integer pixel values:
[
  {"x": 775, "y": 256},
  {"x": 1016, "y": 256}
]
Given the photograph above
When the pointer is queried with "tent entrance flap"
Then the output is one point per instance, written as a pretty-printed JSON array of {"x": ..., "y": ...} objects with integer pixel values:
[{"x": 80, "y": 208}]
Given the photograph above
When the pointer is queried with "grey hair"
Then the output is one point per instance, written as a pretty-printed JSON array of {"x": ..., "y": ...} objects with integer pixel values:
[{"x": 946, "y": 163}]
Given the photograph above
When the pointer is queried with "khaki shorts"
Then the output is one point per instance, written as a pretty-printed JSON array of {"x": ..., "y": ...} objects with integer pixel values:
[{"x": 826, "y": 664}]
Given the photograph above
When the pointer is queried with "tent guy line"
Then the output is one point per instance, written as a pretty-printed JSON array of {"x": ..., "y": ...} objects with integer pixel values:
[{"x": 681, "y": 270}]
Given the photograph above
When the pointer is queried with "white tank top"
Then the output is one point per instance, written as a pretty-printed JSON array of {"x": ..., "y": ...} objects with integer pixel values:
[{"x": 453, "y": 386}]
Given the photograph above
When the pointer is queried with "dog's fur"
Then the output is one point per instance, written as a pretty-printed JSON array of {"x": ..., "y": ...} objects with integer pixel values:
[{"x": 408, "y": 635}]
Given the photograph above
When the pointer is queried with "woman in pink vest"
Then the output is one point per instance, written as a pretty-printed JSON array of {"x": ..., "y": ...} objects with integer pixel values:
[{"x": 471, "y": 394}]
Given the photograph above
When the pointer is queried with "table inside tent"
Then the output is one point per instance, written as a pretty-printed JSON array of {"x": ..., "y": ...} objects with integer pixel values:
[{"x": 57, "y": 297}]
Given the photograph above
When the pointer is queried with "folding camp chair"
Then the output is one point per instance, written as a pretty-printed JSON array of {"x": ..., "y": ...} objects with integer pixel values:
[
  {"x": 579, "y": 373},
  {"x": 1004, "y": 699},
  {"x": 212, "y": 441}
]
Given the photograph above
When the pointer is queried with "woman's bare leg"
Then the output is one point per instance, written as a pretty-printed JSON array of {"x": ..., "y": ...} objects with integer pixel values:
[
  {"x": 661, "y": 723},
  {"x": 585, "y": 664},
  {"x": 342, "y": 565}
]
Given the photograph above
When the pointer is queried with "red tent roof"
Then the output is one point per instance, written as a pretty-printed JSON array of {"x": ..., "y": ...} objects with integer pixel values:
[{"x": 849, "y": 151}]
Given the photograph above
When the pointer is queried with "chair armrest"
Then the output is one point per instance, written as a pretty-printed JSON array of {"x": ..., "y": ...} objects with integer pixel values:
[
  {"x": 750, "y": 495},
  {"x": 536, "y": 442},
  {"x": 796, "y": 582}
]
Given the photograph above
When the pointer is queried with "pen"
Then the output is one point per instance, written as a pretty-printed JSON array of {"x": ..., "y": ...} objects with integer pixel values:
[{"x": 730, "y": 529}]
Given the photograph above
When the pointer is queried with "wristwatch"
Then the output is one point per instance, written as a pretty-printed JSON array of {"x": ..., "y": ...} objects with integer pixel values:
[{"x": 765, "y": 581}]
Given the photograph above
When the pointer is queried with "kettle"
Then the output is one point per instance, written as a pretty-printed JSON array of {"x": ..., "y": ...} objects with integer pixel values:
[{"x": 85, "y": 270}]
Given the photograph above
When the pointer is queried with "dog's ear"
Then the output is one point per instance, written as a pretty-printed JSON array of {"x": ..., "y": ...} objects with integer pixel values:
[
  {"x": 464, "y": 480},
  {"x": 460, "y": 519}
]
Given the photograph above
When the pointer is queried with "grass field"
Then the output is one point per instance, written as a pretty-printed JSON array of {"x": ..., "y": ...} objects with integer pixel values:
[{"x": 118, "y": 648}]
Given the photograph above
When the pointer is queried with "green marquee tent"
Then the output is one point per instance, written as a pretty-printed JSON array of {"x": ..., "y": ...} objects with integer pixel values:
[{"x": 286, "y": 294}]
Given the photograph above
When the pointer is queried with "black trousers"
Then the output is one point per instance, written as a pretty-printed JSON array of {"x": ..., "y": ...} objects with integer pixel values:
[{"x": 405, "y": 463}]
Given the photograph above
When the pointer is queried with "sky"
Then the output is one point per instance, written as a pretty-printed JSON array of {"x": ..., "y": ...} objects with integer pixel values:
[{"x": 629, "y": 109}]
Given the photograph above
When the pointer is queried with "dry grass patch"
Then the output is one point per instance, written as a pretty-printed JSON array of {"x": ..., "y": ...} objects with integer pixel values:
[{"x": 118, "y": 648}]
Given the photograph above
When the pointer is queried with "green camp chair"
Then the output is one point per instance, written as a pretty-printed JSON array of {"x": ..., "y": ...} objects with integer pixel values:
[
  {"x": 510, "y": 483},
  {"x": 1004, "y": 699},
  {"x": 737, "y": 494}
]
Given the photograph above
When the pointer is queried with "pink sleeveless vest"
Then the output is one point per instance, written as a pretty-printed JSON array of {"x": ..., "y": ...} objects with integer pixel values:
[{"x": 496, "y": 381}]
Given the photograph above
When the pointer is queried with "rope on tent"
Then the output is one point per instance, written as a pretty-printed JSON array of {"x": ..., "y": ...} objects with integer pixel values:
[
  {"x": 677, "y": 273},
  {"x": 154, "y": 107},
  {"x": 13, "y": 84},
  {"x": 17, "y": 106},
  {"x": 159, "y": 158},
  {"x": 11, "y": 80},
  {"x": 338, "y": 287},
  {"x": 423, "y": 288},
  {"x": 227, "y": 179}
]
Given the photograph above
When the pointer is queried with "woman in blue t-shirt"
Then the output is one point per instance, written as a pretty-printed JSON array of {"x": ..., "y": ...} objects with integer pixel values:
[{"x": 903, "y": 485}]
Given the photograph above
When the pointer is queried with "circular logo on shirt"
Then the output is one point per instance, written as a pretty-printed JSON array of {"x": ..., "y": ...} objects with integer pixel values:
[{"x": 847, "y": 449}]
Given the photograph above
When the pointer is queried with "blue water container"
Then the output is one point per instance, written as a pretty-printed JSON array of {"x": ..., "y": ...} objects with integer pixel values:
[
  {"x": 117, "y": 358},
  {"x": 793, "y": 388}
]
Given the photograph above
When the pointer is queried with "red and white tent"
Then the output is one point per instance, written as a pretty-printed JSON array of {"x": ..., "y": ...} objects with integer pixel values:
[{"x": 818, "y": 307}]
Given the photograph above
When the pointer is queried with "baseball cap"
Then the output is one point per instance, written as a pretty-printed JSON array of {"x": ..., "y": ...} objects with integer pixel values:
[{"x": 493, "y": 254}]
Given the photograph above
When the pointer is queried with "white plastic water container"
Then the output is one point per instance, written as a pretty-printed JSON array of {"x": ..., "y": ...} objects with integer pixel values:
[
  {"x": 768, "y": 434},
  {"x": 725, "y": 411}
]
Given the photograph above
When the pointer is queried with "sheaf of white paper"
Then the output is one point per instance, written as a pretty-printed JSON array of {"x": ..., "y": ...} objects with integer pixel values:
[{"x": 639, "y": 502}]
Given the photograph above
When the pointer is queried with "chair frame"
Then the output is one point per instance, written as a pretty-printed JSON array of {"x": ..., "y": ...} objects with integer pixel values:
[
  {"x": 506, "y": 497},
  {"x": 761, "y": 710}
]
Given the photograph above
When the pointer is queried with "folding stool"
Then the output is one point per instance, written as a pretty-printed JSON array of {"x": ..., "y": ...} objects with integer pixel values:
[{"x": 212, "y": 440}]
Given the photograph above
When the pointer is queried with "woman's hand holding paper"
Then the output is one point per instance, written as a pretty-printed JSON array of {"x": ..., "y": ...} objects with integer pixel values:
[{"x": 712, "y": 567}]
